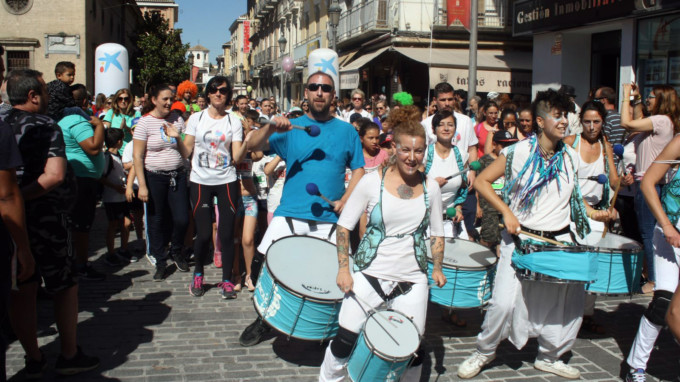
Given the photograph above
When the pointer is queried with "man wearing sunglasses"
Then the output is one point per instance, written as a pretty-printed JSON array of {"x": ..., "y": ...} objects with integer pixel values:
[
  {"x": 358, "y": 97},
  {"x": 321, "y": 160},
  {"x": 612, "y": 123}
]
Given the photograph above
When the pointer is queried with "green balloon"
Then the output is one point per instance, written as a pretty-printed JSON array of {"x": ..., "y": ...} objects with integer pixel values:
[{"x": 249, "y": 88}]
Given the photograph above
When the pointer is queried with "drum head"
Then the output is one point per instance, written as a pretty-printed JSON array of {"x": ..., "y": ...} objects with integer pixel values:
[
  {"x": 305, "y": 265},
  {"x": 400, "y": 327},
  {"x": 612, "y": 241},
  {"x": 465, "y": 254}
]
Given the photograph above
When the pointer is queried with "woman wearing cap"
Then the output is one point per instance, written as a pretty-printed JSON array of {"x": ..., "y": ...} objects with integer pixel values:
[
  {"x": 596, "y": 158},
  {"x": 392, "y": 256},
  {"x": 121, "y": 114}
]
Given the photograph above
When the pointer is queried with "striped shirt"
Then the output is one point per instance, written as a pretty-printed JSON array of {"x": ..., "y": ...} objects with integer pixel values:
[
  {"x": 161, "y": 150},
  {"x": 612, "y": 128}
]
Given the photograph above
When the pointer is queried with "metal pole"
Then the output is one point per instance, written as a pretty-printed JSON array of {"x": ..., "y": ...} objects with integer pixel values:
[
  {"x": 281, "y": 105},
  {"x": 335, "y": 37},
  {"x": 472, "y": 72}
]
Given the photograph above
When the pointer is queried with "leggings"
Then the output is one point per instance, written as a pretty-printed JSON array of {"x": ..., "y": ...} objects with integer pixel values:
[
  {"x": 166, "y": 214},
  {"x": 202, "y": 198}
]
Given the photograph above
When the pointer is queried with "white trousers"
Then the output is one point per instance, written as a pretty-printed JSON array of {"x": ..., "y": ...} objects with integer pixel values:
[
  {"x": 666, "y": 268},
  {"x": 520, "y": 309},
  {"x": 279, "y": 228},
  {"x": 352, "y": 317}
]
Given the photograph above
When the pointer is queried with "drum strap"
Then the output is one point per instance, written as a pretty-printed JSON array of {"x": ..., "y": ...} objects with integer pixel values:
[
  {"x": 312, "y": 227},
  {"x": 403, "y": 287}
]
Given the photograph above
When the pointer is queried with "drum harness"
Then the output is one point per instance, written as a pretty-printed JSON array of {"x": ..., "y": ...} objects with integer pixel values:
[{"x": 312, "y": 227}]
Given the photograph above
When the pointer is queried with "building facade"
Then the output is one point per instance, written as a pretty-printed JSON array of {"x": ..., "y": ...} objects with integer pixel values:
[
  {"x": 37, "y": 34},
  {"x": 239, "y": 52},
  {"x": 167, "y": 8}
]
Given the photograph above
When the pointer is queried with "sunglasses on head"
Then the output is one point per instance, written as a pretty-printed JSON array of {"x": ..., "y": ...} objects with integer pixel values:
[
  {"x": 223, "y": 91},
  {"x": 324, "y": 87}
]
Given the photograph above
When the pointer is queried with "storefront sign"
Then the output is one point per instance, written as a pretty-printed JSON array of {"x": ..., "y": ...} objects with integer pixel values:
[
  {"x": 349, "y": 80},
  {"x": 530, "y": 16},
  {"x": 246, "y": 36},
  {"x": 487, "y": 80}
]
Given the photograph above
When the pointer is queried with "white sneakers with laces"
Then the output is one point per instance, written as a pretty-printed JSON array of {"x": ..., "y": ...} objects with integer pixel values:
[
  {"x": 558, "y": 368},
  {"x": 474, "y": 364}
]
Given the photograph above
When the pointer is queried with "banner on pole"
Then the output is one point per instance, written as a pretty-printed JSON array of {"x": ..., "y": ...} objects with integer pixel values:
[
  {"x": 246, "y": 36},
  {"x": 458, "y": 10}
]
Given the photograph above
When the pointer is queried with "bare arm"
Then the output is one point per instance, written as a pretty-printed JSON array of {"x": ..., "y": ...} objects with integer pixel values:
[
  {"x": 138, "y": 151},
  {"x": 271, "y": 166},
  {"x": 53, "y": 175},
  {"x": 239, "y": 151},
  {"x": 259, "y": 139},
  {"x": 356, "y": 176},
  {"x": 344, "y": 279},
  {"x": 613, "y": 175},
  {"x": 472, "y": 157},
  {"x": 94, "y": 144},
  {"x": 488, "y": 145},
  {"x": 673, "y": 315},
  {"x": 130, "y": 184},
  {"x": 437, "y": 248},
  {"x": 483, "y": 186},
  {"x": 14, "y": 218},
  {"x": 628, "y": 123}
]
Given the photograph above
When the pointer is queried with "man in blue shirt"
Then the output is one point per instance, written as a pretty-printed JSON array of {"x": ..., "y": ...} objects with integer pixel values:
[{"x": 321, "y": 160}]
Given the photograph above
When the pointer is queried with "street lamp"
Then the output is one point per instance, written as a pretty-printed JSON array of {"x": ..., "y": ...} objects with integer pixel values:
[
  {"x": 282, "y": 48},
  {"x": 191, "y": 63},
  {"x": 334, "y": 16},
  {"x": 240, "y": 67}
]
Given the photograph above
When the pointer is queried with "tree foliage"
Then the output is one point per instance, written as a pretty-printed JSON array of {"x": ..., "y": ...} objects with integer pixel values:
[{"x": 161, "y": 54}]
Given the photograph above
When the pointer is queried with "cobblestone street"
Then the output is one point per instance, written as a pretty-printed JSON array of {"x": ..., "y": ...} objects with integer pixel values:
[{"x": 148, "y": 331}]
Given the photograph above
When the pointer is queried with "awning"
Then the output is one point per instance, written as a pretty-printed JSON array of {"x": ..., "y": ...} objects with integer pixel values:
[
  {"x": 362, "y": 60},
  {"x": 497, "y": 70}
]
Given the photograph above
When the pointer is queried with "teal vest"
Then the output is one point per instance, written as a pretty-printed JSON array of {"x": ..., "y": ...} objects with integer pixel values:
[
  {"x": 461, "y": 195},
  {"x": 670, "y": 198},
  {"x": 375, "y": 233}
]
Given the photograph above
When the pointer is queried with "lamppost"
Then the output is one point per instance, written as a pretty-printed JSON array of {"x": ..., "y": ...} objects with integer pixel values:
[
  {"x": 243, "y": 82},
  {"x": 334, "y": 16},
  {"x": 191, "y": 63},
  {"x": 282, "y": 48}
]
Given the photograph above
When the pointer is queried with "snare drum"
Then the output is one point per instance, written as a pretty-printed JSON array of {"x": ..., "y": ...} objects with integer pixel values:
[
  {"x": 619, "y": 264},
  {"x": 385, "y": 347},
  {"x": 469, "y": 269},
  {"x": 554, "y": 264},
  {"x": 296, "y": 291}
]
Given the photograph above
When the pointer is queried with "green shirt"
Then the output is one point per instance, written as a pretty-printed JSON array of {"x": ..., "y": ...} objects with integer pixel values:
[
  {"x": 116, "y": 122},
  {"x": 77, "y": 129}
]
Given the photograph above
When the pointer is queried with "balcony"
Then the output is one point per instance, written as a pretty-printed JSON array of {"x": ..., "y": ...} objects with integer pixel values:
[{"x": 414, "y": 16}]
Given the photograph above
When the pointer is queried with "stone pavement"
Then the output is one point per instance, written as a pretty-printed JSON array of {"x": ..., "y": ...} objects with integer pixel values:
[{"x": 148, "y": 331}]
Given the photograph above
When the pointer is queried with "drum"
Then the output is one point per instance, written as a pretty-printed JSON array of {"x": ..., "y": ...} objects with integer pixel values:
[
  {"x": 469, "y": 269},
  {"x": 555, "y": 264},
  {"x": 296, "y": 291},
  {"x": 385, "y": 347},
  {"x": 619, "y": 264}
]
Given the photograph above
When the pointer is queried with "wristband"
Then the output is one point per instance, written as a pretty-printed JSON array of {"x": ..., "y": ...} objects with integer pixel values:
[{"x": 590, "y": 215}]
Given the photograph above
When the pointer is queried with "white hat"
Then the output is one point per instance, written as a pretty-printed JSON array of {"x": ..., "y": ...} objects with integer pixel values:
[{"x": 324, "y": 61}]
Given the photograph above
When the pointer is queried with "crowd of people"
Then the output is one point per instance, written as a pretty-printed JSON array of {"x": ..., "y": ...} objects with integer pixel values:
[{"x": 203, "y": 176}]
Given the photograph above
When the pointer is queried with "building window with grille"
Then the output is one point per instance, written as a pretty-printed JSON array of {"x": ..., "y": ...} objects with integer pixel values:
[{"x": 18, "y": 59}]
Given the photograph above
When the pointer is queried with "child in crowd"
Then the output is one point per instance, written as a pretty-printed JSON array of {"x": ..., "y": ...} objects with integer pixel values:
[
  {"x": 275, "y": 169},
  {"x": 374, "y": 156},
  {"x": 113, "y": 197},
  {"x": 491, "y": 232},
  {"x": 61, "y": 102}
]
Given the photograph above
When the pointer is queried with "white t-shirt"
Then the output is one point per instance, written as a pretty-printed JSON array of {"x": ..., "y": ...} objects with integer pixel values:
[
  {"x": 116, "y": 176},
  {"x": 363, "y": 113},
  {"x": 551, "y": 210},
  {"x": 629, "y": 159},
  {"x": 127, "y": 158},
  {"x": 443, "y": 168},
  {"x": 212, "y": 163},
  {"x": 395, "y": 259},
  {"x": 465, "y": 133},
  {"x": 275, "y": 181},
  {"x": 260, "y": 179}
]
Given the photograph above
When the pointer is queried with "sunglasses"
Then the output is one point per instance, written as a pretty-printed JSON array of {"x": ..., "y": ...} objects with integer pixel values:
[
  {"x": 223, "y": 91},
  {"x": 357, "y": 99},
  {"x": 125, "y": 99},
  {"x": 324, "y": 87}
]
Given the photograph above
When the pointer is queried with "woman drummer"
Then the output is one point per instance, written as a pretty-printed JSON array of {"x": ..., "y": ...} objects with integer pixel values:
[
  {"x": 596, "y": 158},
  {"x": 542, "y": 195},
  {"x": 666, "y": 210},
  {"x": 392, "y": 257}
]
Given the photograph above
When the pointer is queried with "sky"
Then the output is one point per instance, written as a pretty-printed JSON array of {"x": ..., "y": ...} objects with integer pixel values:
[{"x": 207, "y": 22}]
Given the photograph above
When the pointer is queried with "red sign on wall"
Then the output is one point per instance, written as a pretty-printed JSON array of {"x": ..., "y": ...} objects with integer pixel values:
[
  {"x": 246, "y": 36},
  {"x": 458, "y": 10}
]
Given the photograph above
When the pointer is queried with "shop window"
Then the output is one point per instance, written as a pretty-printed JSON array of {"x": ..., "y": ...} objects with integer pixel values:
[
  {"x": 658, "y": 55},
  {"x": 18, "y": 59}
]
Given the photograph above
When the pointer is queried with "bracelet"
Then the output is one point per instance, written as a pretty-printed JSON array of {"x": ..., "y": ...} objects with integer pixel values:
[{"x": 590, "y": 216}]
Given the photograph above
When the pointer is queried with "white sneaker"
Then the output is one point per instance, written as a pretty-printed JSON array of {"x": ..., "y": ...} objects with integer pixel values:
[
  {"x": 474, "y": 364},
  {"x": 558, "y": 368},
  {"x": 151, "y": 259}
]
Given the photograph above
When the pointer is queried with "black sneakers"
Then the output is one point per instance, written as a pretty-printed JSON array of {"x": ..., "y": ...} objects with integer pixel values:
[
  {"x": 78, "y": 364},
  {"x": 89, "y": 273},
  {"x": 181, "y": 263},
  {"x": 252, "y": 335},
  {"x": 160, "y": 273},
  {"x": 34, "y": 369}
]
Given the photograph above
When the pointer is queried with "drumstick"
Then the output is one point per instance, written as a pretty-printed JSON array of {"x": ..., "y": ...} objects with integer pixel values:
[
  {"x": 539, "y": 237},
  {"x": 312, "y": 130},
  {"x": 313, "y": 189},
  {"x": 474, "y": 166},
  {"x": 360, "y": 301},
  {"x": 618, "y": 150}
]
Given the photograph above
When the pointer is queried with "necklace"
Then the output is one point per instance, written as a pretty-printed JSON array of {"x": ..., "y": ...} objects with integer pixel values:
[{"x": 547, "y": 154}]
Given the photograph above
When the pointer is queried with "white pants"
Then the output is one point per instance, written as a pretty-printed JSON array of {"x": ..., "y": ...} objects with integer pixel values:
[
  {"x": 666, "y": 263},
  {"x": 452, "y": 230},
  {"x": 352, "y": 317},
  {"x": 519, "y": 310},
  {"x": 279, "y": 228}
]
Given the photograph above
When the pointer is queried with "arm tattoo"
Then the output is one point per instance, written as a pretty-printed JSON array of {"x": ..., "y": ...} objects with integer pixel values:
[
  {"x": 342, "y": 239},
  {"x": 437, "y": 247},
  {"x": 404, "y": 191}
]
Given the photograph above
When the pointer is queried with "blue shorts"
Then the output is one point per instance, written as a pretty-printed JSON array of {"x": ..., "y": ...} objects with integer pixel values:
[{"x": 247, "y": 206}]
